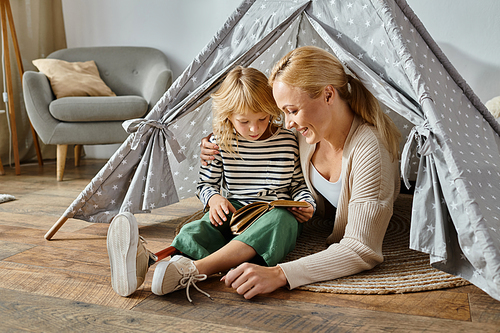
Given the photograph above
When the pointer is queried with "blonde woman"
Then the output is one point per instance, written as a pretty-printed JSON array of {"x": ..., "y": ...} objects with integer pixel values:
[
  {"x": 349, "y": 156},
  {"x": 258, "y": 161}
]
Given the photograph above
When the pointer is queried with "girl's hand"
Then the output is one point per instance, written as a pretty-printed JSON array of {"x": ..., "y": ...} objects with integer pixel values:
[
  {"x": 208, "y": 150},
  {"x": 302, "y": 214},
  {"x": 219, "y": 208},
  {"x": 250, "y": 279}
]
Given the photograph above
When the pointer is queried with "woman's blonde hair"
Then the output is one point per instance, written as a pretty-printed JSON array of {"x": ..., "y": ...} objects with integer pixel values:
[
  {"x": 312, "y": 69},
  {"x": 242, "y": 90}
]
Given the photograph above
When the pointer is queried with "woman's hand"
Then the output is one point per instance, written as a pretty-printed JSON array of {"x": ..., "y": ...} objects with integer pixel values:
[
  {"x": 208, "y": 150},
  {"x": 219, "y": 208},
  {"x": 302, "y": 214},
  {"x": 250, "y": 279}
]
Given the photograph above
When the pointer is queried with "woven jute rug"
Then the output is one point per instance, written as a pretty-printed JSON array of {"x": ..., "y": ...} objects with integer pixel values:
[{"x": 403, "y": 270}]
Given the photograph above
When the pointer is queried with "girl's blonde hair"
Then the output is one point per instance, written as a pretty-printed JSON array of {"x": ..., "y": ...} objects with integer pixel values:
[
  {"x": 243, "y": 90},
  {"x": 312, "y": 69}
]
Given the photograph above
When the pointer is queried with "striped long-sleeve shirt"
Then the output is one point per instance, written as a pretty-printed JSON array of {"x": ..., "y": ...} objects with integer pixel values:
[{"x": 264, "y": 170}]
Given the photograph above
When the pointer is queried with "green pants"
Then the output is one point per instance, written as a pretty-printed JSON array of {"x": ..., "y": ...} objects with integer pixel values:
[{"x": 272, "y": 236}]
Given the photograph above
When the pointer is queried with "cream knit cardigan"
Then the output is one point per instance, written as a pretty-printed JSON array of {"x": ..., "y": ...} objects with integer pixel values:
[{"x": 370, "y": 185}]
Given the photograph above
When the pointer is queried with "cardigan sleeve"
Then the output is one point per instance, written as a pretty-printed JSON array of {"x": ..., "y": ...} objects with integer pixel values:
[
  {"x": 365, "y": 208},
  {"x": 353, "y": 254}
]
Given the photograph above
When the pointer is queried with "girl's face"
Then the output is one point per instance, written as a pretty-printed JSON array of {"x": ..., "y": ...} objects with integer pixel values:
[
  {"x": 310, "y": 117},
  {"x": 251, "y": 125}
]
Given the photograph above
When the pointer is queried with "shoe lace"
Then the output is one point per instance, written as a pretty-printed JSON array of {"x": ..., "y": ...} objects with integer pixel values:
[{"x": 189, "y": 279}]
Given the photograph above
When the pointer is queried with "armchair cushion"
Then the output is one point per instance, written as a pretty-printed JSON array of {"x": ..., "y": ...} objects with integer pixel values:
[
  {"x": 91, "y": 109},
  {"x": 73, "y": 78}
]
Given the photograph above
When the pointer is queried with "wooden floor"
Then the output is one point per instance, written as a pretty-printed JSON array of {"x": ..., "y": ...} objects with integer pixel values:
[{"x": 64, "y": 284}]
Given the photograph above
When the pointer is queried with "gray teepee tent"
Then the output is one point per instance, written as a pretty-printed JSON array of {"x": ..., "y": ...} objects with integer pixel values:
[{"x": 456, "y": 214}]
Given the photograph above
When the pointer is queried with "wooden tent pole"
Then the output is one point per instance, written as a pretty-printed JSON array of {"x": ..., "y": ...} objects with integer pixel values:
[{"x": 55, "y": 227}]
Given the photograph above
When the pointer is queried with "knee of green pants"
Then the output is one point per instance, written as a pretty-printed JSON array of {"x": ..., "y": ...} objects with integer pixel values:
[
  {"x": 198, "y": 239},
  {"x": 273, "y": 235}
]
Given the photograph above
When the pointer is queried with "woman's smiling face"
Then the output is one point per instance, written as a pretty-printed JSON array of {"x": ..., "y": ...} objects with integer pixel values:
[{"x": 308, "y": 116}]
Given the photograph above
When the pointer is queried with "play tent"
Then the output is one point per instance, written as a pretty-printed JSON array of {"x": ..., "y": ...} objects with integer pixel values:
[{"x": 452, "y": 146}]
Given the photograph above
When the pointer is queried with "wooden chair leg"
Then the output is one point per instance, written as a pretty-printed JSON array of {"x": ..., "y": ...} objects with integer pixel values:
[
  {"x": 2, "y": 171},
  {"x": 37, "y": 146},
  {"x": 78, "y": 154},
  {"x": 55, "y": 227},
  {"x": 62, "y": 151}
]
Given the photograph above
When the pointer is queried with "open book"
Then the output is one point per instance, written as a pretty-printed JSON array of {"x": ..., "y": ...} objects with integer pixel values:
[{"x": 248, "y": 214}]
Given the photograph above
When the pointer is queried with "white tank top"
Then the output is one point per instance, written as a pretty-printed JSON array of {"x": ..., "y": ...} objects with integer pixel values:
[{"x": 329, "y": 190}]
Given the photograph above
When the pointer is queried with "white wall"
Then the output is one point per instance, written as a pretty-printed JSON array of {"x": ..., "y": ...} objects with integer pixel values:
[
  {"x": 467, "y": 31},
  {"x": 179, "y": 28}
]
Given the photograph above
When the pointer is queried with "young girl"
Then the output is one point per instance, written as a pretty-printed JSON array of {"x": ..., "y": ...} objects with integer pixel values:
[{"x": 258, "y": 161}]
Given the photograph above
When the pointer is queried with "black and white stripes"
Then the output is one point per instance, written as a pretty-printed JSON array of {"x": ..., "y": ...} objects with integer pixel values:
[{"x": 264, "y": 170}]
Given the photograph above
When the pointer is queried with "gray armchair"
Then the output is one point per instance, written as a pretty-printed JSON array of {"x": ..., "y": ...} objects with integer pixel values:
[{"x": 139, "y": 76}]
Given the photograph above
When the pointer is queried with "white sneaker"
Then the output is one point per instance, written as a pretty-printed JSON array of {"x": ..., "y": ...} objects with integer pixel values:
[
  {"x": 128, "y": 257},
  {"x": 177, "y": 273}
]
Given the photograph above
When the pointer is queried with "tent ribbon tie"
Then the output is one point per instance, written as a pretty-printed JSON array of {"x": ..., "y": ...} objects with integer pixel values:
[
  {"x": 425, "y": 146},
  {"x": 140, "y": 127}
]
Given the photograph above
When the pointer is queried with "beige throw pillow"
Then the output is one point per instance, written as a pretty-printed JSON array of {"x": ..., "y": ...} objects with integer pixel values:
[{"x": 73, "y": 78}]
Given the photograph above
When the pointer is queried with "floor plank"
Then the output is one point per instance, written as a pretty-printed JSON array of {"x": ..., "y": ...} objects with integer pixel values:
[
  {"x": 65, "y": 284},
  {"x": 485, "y": 309},
  {"x": 436, "y": 304},
  {"x": 34, "y": 236},
  {"x": 444, "y": 304},
  {"x": 280, "y": 315},
  {"x": 20, "y": 311},
  {"x": 8, "y": 249},
  {"x": 89, "y": 261}
]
